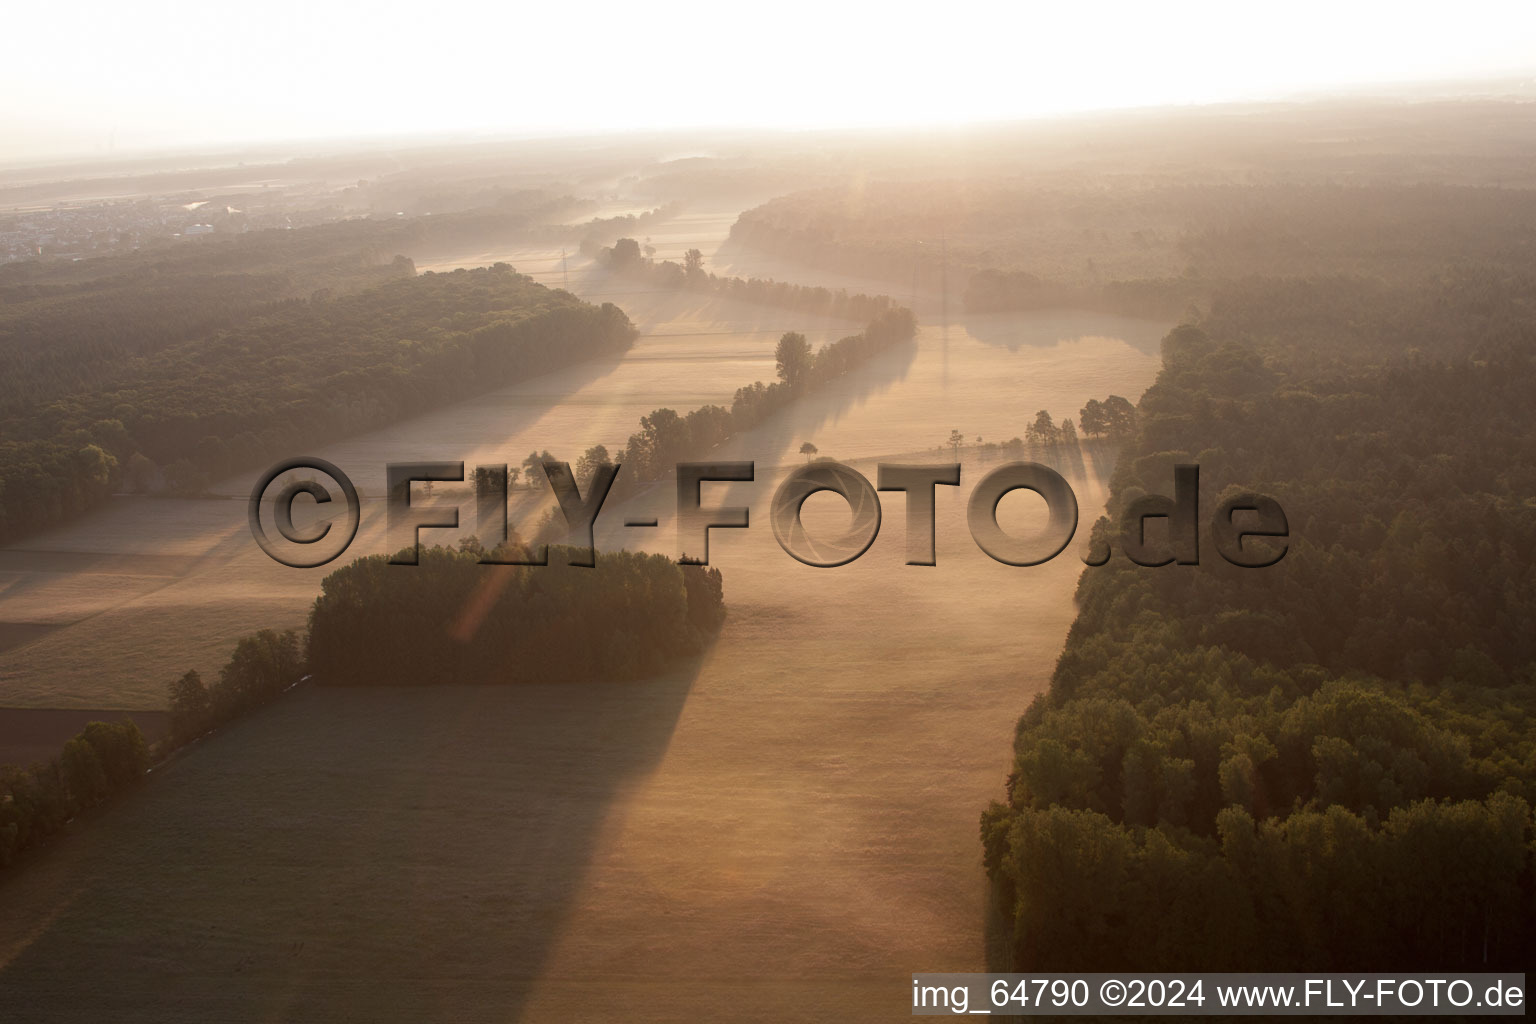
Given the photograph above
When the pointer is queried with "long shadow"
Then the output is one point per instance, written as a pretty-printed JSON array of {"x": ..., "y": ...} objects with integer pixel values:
[
  {"x": 404, "y": 437},
  {"x": 775, "y": 435},
  {"x": 767, "y": 443},
  {"x": 1105, "y": 455},
  {"x": 346, "y": 854}
]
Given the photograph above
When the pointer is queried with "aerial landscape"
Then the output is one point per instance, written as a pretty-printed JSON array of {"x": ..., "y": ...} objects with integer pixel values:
[{"x": 467, "y": 567}]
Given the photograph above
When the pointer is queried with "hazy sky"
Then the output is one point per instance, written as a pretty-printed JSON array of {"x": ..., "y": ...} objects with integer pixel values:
[{"x": 80, "y": 76}]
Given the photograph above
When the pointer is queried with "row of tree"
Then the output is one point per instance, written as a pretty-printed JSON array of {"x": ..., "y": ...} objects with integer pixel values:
[
  {"x": 666, "y": 438},
  {"x": 1113, "y": 419},
  {"x": 103, "y": 761},
  {"x": 261, "y": 667},
  {"x": 599, "y": 230},
  {"x": 107, "y": 759},
  {"x": 627, "y": 256},
  {"x": 450, "y": 619},
  {"x": 453, "y": 620}
]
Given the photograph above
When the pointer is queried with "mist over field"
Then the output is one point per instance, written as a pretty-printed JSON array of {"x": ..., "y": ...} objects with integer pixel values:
[{"x": 479, "y": 788}]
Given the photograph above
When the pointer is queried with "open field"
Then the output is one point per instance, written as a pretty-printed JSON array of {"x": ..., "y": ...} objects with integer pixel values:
[
  {"x": 799, "y": 807},
  {"x": 114, "y": 587},
  {"x": 124, "y": 578},
  {"x": 1284, "y": 294},
  {"x": 1258, "y": 325}
]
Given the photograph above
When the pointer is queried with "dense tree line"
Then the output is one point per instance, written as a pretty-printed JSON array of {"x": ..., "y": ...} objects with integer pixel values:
[
  {"x": 599, "y": 230},
  {"x": 72, "y": 326},
  {"x": 68, "y": 326},
  {"x": 803, "y": 298},
  {"x": 453, "y": 620},
  {"x": 299, "y": 374},
  {"x": 449, "y": 619},
  {"x": 261, "y": 666},
  {"x": 104, "y": 760},
  {"x": 995, "y": 291},
  {"x": 107, "y": 759},
  {"x": 666, "y": 438},
  {"x": 1329, "y": 763},
  {"x": 1113, "y": 419},
  {"x": 627, "y": 257}
]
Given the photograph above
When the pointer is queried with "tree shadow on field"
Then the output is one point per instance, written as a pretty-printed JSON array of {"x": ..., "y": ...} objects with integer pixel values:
[
  {"x": 997, "y": 931},
  {"x": 773, "y": 441},
  {"x": 391, "y": 853},
  {"x": 770, "y": 444}
]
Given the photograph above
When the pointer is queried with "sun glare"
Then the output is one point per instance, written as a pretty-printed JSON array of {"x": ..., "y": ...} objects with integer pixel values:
[{"x": 173, "y": 72}]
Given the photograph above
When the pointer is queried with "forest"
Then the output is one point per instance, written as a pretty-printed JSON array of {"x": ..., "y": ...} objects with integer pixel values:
[
  {"x": 1145, "y": 248},
  {"x": 124, "y": 406},
  {"x": 452, "y": 619},
  {"x": 72, "y": 326},
  {"x": 1327, "y": 764}
]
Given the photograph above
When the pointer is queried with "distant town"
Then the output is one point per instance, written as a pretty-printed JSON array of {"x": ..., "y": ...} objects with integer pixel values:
[{"x": 78, "y": 229}]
